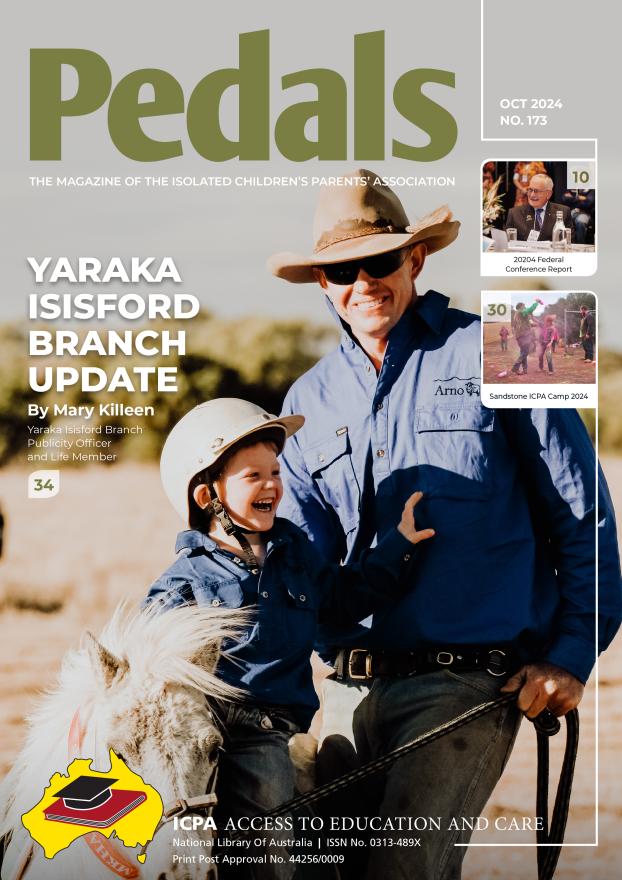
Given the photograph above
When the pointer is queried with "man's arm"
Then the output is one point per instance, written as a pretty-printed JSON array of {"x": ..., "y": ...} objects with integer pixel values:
[
  {"x": 531, "y": 309},
  {"x": 558, "y": 466},
  {"x": 304, "y": 504}
]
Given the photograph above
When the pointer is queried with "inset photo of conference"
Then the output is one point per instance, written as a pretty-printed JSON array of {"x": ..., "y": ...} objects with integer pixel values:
[
  {"x": 538, "y": 217},
  {"x": 539, "y": 348}
]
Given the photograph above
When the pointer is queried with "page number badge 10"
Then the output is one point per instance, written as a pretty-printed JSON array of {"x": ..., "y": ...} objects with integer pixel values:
[{"x": 43, "y": 484}]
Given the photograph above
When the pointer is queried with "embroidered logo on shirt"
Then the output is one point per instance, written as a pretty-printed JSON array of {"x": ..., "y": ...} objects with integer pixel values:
[{"x": 456, "y": 386}]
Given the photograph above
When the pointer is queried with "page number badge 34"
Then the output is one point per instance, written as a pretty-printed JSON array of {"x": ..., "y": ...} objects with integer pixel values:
[{"x": 43, "y": 484}]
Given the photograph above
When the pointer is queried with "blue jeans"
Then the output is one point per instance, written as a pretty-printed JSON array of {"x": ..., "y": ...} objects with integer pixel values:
[
  {"x": 448, "y": 779},
  {"x": 254, "y": 774},
  {"x": 588, "y": 348},
  {"x": 524, "y": 344}
]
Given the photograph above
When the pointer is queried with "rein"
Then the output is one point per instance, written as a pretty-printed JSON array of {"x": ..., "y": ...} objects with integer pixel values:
[{"x": 550, "y": 839}]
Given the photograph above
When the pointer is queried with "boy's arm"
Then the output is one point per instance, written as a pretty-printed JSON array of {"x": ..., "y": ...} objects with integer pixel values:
[
  {"x": 167, "y": 592},
  {"x": 352, "y": 592}
]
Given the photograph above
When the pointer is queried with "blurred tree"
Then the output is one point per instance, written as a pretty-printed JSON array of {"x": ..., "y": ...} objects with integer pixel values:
[
  {"x": 254, "y": 358},
  {"x": 15, "y": 394}
]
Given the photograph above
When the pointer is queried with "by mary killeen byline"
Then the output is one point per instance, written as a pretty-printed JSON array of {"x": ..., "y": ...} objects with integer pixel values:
[{"x": 86, "y": 412}]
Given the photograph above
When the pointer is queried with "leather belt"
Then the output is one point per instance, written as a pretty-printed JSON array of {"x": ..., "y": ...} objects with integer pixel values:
[{"x": 359, "y": 664}]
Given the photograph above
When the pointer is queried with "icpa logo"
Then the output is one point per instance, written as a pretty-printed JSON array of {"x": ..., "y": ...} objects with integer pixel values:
[
  {"x": 456, "y": 386},
  {"x": 116, "y": 802}
]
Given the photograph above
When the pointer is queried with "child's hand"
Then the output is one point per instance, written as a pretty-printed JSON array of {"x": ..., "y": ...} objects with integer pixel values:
[{"x": 407, "y": 526}]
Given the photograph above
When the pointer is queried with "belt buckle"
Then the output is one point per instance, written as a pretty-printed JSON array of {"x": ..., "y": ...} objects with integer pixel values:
[
  {"x": 444, "y": 654},
  {"x": 497, "y": 659},
  {"x": 356, "y": 676}
]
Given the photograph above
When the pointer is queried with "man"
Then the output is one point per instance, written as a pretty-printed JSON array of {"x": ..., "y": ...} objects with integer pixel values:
[
  {"x": 587, "y": 332},
  {"x": 396, "y": 407},
  {"x": 539, "y": 213}
]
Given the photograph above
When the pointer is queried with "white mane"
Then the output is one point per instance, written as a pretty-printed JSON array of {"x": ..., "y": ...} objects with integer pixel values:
[{"x": 166, "y": 647}]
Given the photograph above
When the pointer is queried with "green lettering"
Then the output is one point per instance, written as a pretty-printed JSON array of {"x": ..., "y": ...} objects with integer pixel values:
[
  {"x": 331, "y": 110},
  {"x": 253, "y": 81},
  {"x": 47, "y": 106},
  {"x": 369, "y": 96},
  {"x": 125, "y": 112},
  {"x": 426, "y": 114}
]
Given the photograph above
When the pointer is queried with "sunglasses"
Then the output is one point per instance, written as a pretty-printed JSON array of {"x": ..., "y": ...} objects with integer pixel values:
[{"x": 378, "y": 266}]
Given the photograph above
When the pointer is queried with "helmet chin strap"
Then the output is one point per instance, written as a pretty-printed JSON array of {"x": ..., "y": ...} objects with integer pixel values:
[{"x": 216, "y": 508}]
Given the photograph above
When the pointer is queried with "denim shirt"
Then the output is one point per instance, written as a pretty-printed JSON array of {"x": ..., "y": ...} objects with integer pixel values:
[
  {"x": 510, "y": 493},
  {"x": 294, "y": 589}
]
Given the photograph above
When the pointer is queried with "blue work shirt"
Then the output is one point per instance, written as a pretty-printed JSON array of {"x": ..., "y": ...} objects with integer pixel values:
[
  {"x": 510, "y": 493},
  {"x": 294, "y": 589}
]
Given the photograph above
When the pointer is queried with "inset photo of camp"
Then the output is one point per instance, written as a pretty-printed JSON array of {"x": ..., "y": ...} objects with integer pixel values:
[{"x": 540, "y": 338}]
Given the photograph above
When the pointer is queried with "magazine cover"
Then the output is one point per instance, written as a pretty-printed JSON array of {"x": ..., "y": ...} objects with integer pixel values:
[{"x": 308, "y": 566}]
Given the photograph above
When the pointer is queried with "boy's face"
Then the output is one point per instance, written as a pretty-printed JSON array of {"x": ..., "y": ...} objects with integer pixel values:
[{"x": 250, "y": 487}]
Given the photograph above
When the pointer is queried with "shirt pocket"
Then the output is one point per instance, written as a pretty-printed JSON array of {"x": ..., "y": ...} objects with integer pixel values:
[
  {"x": 300, "y": 611},
  {"x": 223, "y": 593},
  {"x": 229, "y": 594},
  {"x": 329, "y": 462},
  {"x": 454, "y": 452}
]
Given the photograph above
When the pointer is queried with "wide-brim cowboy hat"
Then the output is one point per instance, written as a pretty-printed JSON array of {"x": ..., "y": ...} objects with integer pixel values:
[{"x": 358, "y": 218}]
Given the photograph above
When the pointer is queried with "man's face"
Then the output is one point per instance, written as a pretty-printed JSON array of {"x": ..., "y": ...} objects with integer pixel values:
[
  {"x": 538, "y": 192},
  {"x": 373, "y": 306}
]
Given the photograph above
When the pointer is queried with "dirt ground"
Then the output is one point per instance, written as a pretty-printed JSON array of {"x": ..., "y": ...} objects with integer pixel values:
[
  {"x": 568, "y": 364},
  {"x": 110, "y": 532}
]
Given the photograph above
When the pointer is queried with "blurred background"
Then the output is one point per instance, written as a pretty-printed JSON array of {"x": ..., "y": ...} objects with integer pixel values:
[{"x": 67, "y": 561}]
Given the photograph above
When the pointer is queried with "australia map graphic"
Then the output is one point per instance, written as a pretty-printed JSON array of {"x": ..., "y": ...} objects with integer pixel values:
[{"x": 116, "y": 802}]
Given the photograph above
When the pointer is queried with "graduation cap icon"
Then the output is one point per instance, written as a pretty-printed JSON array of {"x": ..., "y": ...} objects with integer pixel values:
[
  {"x": 86, "y": 792},
  {"x": 90, "y": 800}
]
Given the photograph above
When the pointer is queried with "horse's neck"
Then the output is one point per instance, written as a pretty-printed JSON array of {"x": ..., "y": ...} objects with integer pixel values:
[
  {"x": 24, "y": 785},
  {"x": 46, "y": 752}
]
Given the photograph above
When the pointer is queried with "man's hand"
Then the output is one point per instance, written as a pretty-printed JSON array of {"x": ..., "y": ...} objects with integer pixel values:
[
  {"x": 407, "y": 526},
  {"x": 544, "y": 686}
]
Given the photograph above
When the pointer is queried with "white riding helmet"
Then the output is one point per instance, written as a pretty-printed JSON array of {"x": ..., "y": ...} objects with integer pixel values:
[{"x": 204, "y": 434}]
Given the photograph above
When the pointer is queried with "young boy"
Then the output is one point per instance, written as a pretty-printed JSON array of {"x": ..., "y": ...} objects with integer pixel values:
[
  {"x": 220, "y": 471},
  {"x": 545, "y": 342}
]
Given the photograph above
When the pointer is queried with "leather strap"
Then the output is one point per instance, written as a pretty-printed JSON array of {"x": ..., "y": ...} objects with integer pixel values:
[
  {"x": 359, "y": 664},
  {"x": 551, "y": 837}
]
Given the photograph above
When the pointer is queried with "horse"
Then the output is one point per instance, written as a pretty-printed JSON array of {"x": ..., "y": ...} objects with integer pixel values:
[{"x": 140, "y": 690}]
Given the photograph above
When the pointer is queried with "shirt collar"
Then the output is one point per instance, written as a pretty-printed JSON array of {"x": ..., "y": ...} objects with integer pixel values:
[
  {"x": 192, "y": 539},
  {"x": 430, "y": 308}
]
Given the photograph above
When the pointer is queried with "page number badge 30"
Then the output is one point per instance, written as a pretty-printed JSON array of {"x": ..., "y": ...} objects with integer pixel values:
[{"x": 43, "y": 484}]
